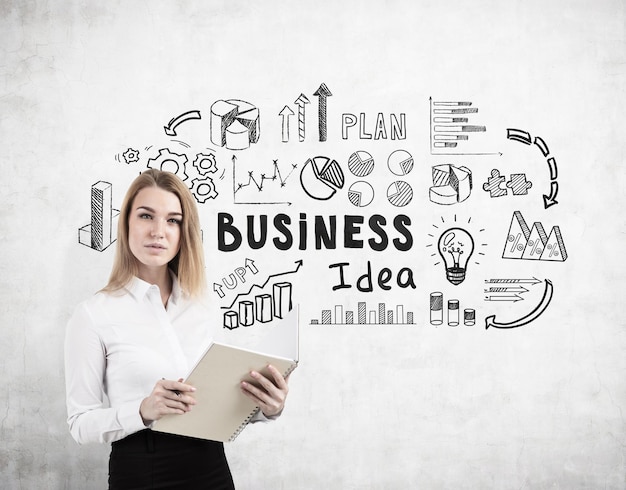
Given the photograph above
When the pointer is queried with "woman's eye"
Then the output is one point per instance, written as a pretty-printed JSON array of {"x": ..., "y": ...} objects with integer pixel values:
[
  {"x": 175, "y": 221},
  {"x": 145, "y": 216}
]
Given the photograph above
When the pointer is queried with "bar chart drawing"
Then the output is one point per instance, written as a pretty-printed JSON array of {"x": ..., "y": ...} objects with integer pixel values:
[
  {"x": 453, "y": 129},
  {"x": 101, "y": 232},
  {"x": 381, "y": 314},
  {"x": 263, "y": 309}
]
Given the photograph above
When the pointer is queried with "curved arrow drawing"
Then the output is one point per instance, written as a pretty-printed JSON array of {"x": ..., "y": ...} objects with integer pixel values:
[
  {"x": 553, "y": 170},
  {"x": 490, "y": 321},
  {"x": 551, "y": 199},
  {"x": 170, "y": 129}
]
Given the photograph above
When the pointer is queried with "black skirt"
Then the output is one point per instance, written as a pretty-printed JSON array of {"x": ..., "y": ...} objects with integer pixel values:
[{"x": 151, "y": 460}]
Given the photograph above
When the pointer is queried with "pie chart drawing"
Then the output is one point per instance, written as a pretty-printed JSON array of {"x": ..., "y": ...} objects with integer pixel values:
[
  {"x": 235, "y": 124},
  {"x": 399, "y": 193},
  {"x": 321, "y": 177},
  {"x": 361, "y": 194},
  {"x": 361, "y": 163},
  {"x": 400, "y": 162}
]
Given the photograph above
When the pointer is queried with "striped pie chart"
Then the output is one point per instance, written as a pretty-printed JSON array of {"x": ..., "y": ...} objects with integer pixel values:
[
  {"x": 321, "y": 177},
  {"x": 361, "y": 163},
  {"x": 360, "y": 194},
  {"x": 399, "y": 193},
  {"x": 400, "y": 162}
]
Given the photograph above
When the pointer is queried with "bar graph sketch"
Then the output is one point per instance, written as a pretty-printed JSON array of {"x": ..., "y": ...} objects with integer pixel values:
[
  {"x": 381, "y": 314},
  {"x": 263, "y": 309},
  {"x": 102, "y": 230},
  {"x": 453, "y": 127},
  {"x": 452, "y": 314}
]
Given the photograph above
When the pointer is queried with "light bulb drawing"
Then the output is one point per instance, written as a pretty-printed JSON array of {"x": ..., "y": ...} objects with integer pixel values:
[{"x": 455, "y": 246}]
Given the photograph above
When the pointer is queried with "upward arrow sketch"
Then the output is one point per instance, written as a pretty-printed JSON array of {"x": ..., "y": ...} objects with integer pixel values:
[
  {"x": 301, "y": 101},
  {"x": 322, "y": 92},
  {"x": 261, "y": 286},
  {"x": 284, "y": 114}
]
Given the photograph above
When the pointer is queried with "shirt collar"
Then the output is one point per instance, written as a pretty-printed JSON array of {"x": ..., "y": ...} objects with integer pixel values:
[{"x": 138, "y": 288}]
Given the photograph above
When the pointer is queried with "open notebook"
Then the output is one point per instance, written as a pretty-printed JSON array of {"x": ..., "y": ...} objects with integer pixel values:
[{"x": 223, "y": 411}]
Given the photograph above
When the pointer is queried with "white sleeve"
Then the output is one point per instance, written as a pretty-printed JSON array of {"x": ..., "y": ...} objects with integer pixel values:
[{"x": 88, "y": 414}]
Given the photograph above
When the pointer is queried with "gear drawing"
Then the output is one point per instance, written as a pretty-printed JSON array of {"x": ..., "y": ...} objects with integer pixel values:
[
  {"x": 203, "y": 189},
  {"x": 205, "y": 163},
  {"x": 131, "y": 156},
  {"x": 167, "y": 158}
]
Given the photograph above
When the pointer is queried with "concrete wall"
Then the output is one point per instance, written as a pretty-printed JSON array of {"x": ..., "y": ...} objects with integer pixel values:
[{"x": 87, "y": 88}]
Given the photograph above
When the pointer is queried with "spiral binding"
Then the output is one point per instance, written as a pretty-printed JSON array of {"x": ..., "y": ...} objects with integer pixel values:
[{"x": 247, "y": 420}]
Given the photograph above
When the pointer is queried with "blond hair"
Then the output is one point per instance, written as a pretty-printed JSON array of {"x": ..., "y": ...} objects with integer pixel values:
[{"x": 188, "y": 264}]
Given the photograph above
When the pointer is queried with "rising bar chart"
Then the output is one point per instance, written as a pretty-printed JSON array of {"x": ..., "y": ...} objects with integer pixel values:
[{"x": 263, "y": 308}]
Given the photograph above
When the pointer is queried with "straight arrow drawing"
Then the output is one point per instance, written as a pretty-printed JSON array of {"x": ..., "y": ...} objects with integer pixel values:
[
  {"x": 322, "y": 93},
  {"x": 284, "y": 114},
  {"x": 301, "y": 101}
]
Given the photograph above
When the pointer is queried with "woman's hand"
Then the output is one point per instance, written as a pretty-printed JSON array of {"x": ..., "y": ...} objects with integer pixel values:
[
  {"x": 270, "y": 395},
  {"x": 167, "y": 397}
]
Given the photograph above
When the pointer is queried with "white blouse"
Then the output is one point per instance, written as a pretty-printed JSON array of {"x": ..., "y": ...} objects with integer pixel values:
[{"x": 118, "y": 345}]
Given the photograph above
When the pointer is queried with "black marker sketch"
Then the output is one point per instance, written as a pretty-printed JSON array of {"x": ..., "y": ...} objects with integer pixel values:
[
  {"x": 455, "y": 246},
  {"x": 301, "y": 101},
  {"x": 258, "y": 182},
  {"x": 469, "y": 316},
  {"x": 533, "y": 244},
  {"x": 399, "y": 193},
  {"x": 398, "y": 127},
  {"x": 322, "y": 93},
  {"x": 400, "y": 162},
  {"x": 284, "y": 115},
  {"x": 203, "y": 189},
  {"x": 130, "y": 156},
  {"x": 261, "y": 286},
  {"x": 235, "y": 124},
  {"x": 170, "y": 162},
  {"x": 380, "y": 316},
  {"x": 361, "y": 194},
  {"x": 361, "y": 163},
  {"x": 525, "y": 137},
  {"x": 453, "y": 311},
  {"x": 264, "y": 309},
  {"x": 519, "y": 135},
  {"x": 494, "y": 184},
  {"x": 452, "y": 239},
  {"x": 321, "y": 177},
  {"x": 451, "y": 184},
  {"x": 505, "y": 293},
  {"x": 518, "y": 184},
  {"x": 235, "y": 277},
  {"x": 102, "y": 231},
  {"x": 205, "y": 163},
  {"x": 170, "y": 128},
  {"x": 490, "y": 321},
  {"x": 451, "y": 129},
  {"x": 436, "y": 308}
]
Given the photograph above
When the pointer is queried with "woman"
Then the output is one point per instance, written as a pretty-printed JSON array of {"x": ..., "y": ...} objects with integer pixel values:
[{"x": 127, "y": 346}]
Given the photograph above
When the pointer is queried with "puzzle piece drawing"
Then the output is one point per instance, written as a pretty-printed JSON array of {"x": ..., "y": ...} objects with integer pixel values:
[
  {"x": 494, "y": 184},
  {"x": 519, "y": 185}
]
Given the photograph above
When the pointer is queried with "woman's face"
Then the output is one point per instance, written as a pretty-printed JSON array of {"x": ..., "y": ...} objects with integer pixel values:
[{"x": 154, "y": 228}]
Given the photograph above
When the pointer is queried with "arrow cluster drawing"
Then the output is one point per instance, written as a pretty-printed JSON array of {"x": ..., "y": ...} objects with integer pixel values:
[{"x": 322, "y": 93}]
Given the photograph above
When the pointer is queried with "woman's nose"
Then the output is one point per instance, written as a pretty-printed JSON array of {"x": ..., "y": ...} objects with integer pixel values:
[{"x": 157, "y": 229}]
